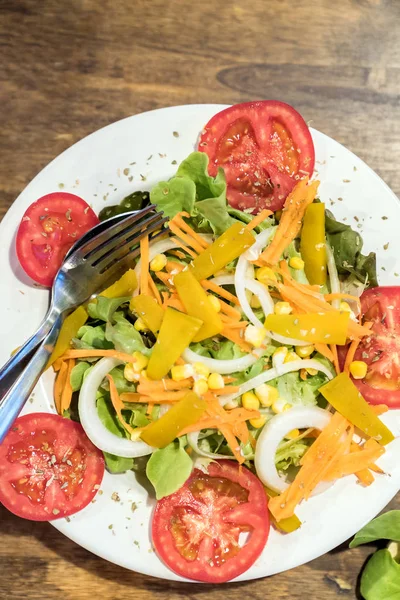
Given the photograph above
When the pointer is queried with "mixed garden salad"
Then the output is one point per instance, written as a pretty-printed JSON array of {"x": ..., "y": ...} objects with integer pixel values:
[{"x": 241, "y": 364}]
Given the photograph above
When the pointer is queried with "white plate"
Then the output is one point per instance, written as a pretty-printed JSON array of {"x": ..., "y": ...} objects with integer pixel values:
[{"x": 95, "y": 168}]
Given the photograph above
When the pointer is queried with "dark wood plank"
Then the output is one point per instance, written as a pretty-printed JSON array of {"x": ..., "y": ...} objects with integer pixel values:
[{"x": 67, "y": 69}]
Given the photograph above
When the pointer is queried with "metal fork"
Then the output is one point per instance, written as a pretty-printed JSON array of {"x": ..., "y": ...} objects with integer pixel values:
[{"x": 89, "y": 267}]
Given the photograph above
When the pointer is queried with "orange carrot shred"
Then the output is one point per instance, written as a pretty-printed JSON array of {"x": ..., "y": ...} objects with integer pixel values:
[
  {"x": 264, "y": 214},
  {"x": 154, "y": 290},
  {"x": 118, "y": 405},
  {"x": 66, "y": 395},
  {"x": 59, "y": 385}
]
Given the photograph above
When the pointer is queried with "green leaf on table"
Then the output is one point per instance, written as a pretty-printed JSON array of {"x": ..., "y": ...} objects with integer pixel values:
[
  {"x": 384, "y": 527},
  {"x": 380, "y": 579},
  {"x": 168, "y": 469}
]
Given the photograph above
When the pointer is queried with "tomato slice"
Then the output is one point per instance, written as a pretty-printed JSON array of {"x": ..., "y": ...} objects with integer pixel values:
[
  {"x": 381, "y": 349},
  {"x": 197, "y": 531},
  {"x": 48, "y": 229},
  {"x": 264, "y": 148},
  {"x": 48, "y": 468}
]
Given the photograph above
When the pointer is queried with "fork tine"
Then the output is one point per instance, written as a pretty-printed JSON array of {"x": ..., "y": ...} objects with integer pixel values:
[
  {"x": 113, "y": 231},
  {"x": 129, "y": 245},
  {"x": 126, "y": 235}
]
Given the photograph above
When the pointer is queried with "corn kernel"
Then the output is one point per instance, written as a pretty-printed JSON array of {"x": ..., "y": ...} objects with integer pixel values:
[
  {"x": 312, "y": 372},
  {"x": 140, "y": 325},
  {"x": 265, "y": 275},
  {"x": 290, "y": 357},
  {"x": 258, "y": 423},
  {"x": 292, "y": 435},
  {"x": 255, "y": 302},
  {"x": 304, "y": 351},
  {"x": 282, "y": 308},
  {"x": 180, "y": 372},
  {"x": 278, "y": 357},
  {"x": 267, "y": 394},
  {"x": 255, "y": 335},
  {"x": 296, "y": 263},
  {"x": 201, "y": 370},
  {"x": 158, "y": 262},
  {"x": 280, "y": 406},
  {"x": 216, "y": 381},
  {"x": 130, "y": 374},
  {"x": 215, "y": 303},
  {"x": 141, "y": 361},
  {"x": 345, "y": 307},
  {"x": 250, "y": 401},
  {"x": 200, "y": 387},
  {"x": 358, "y": 369}
]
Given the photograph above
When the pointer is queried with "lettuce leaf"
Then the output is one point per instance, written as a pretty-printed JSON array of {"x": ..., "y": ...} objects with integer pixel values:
[
  {"x": 244, "y": 217},
  {"x": 117, "y": 464},
  {"x": 194, "y": 191},
  {"x": 290, "y": 455},
  {"x": 168, "y": 469},
  {"x": 90, "y": 336},
  {"x": 78, "y": 374},
  {"x": 103, "y": 308},
  {"x": 124, "y": 336}
]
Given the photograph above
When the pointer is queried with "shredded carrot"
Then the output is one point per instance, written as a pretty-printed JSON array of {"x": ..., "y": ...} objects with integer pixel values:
[
  {"x": 172, "y": 266},
  {"x": 350, "y": 355},
  {"x": 57, "y": 364},
  {"x": 228, "y": 389},
  {"x": 179, "y": 361},
  {"x": 292, "y": 215},
  {"x": 87, "y": 353},
  {"x": 335, "y": 361},
  {"x": 60, "y": 384},
  {"x": 187, "y": 239},
  {"x": 154, "y": 290},
  {"x": 165, "y": 278},
  {"x": 144, "y": 265},
  {"x": 165, "y": 384},
  {"x": 330, "y": 297},
  {"x": 130, "y": 397},
  {"x": 174, "y": 302},
  {"x": 177, "y": 253},
  {"x": 66, "y": 395},
  {"x": 234, "y": 336},
  {"x": 356, "y": 461},
  {"x": 150, "y": 407},
  {"x": 183, "y": 225},
  {"x": 228, "y": 310},
  {"x": 185, "y": 248},
  {"x": 233, "y": 324},
  {"x": 159, "y": 396},
  {"x": 213, "y": 287},
  {"x": 258, "y": 219},
  {"x": 324, "y": 350},
  {"x": 365, "y": 477},
  {"x": 379, "y": 409},
  {"x": 118, "y": 405}
]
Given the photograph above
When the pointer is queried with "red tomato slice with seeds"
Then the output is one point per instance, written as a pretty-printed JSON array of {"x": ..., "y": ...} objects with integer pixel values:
[
  {"x": 264, "y": 148},
  {"x": 48, "y": 229},
  {"x": 381, "y": 349},
  {"x": 198, "y": 530},
  {"x": 48, "y": 468}
]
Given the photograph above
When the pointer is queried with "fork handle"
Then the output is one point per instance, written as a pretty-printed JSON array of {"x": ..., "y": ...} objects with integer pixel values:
[
  {"x": 16, "y": 397},
  {"x": 10, "y": 371}
]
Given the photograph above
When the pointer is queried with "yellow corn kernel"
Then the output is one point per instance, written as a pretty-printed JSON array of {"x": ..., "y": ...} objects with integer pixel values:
[
  {"x": 304, "y": 351},
  {"x": 280, "y": 406},
  {"x": 129, "y": 373},
  {"x": 257, "y": 423},
  {"x": 216, "y": 381},
  {"x": 296, "y": 263},
  {"x": 255, "y": 335},
  {"x": 312, "y": 372},
  {"x": 180, "y": 372},
  {"x": 267, "y": 394},
  {"x": 345, "y": 307},
  {"x": 215, "y": 303},
  {"x": 358, "y": 369},
  {"x": 250, "y": 401},
  {"x": 201, "y": 370},
  {"x": 158, "y": 262},
  {"x": 278, "y": 357},
  {"x": 282, "y": 308},
  {"x": 140, "y": 325},
  {"x": 200, "y": 387},
  {"x": 292, "y": 435},
  {"x": 265, "y": 275},
  {"x": 290, "y": 357},
  {"x": 255, "y": 302},
  {"x": 141, "y": 361}
]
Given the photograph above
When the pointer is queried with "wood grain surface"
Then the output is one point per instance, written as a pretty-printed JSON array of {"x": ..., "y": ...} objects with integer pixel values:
[{"x": 69, "y": 67}]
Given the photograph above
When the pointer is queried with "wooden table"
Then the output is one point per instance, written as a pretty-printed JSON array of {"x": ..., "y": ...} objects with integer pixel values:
[{"x": 68, "y": 68}]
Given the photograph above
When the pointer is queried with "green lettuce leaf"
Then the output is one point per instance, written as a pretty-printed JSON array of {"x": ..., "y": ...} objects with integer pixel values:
[
  {"x": 384, "y": 527},
  {"x": 117, "y": 464},
  {"x": 77, "y": 375},
  {"x": 244, "y": 217},
  {"x": 194, "y": 191},
  {"x": 290, "y": 455},
  {"x": 103, "y": 308},
  {"x": 124, "y": 336},
  {"x": 380, "y": 579},
  {"x": 108, "y": 417},
  {"x": 90, "y": 336},
  {"x": 122, "y": 384},
  {"x": 168, "y": 469},
  {"x": 347, "y": 245}
]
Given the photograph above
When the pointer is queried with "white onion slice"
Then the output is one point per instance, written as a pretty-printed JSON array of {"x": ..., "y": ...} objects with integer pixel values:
[
  {"x": 91, "y": 422},
  {"x": 275, "y": 372},
  {"x": 261, "y": 241},
  {"x": 298, "y": 417},
  {"x": 193, "y": 441},
  {"x": 223, "y": 367}
]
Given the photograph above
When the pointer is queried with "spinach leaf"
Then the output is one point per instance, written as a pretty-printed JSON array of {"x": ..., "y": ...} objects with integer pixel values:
[
  {"x": 384, "y": 527},
  {"x": 380, "y": 579}
]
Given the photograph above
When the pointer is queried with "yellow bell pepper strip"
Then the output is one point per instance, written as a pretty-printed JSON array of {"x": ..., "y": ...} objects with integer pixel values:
[
  {"x": 324, "y": 328},
  {"x": 197, "y": 304},
  {"x": 149, "y": 310},
  {"x": 187, "y": 411},
  {"x": 226, "y": 248},
  {"x": 123, "y": 287},
  {"x": 312, "y": 244},
  {"x": 176, "y": 332},
  {"x": 287, "y": 525},
  {"x": 343, "y": 395},
  {"x": 69, "y": 330}
]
